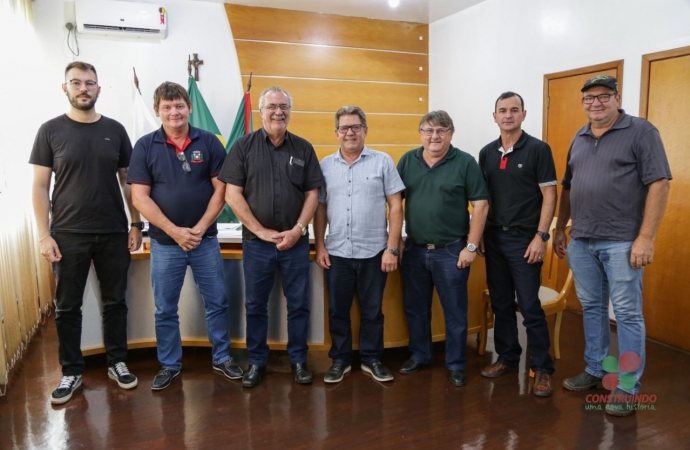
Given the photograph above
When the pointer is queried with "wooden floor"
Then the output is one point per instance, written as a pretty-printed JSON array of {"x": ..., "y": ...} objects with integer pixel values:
[{"x": 203, "y": 410}]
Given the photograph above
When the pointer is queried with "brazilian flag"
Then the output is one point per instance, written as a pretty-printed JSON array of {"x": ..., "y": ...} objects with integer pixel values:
[{"x": 201, "y": 118}]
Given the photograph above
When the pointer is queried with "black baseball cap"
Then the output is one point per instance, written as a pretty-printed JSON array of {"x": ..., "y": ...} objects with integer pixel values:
[{"x": 601, "y": 80}]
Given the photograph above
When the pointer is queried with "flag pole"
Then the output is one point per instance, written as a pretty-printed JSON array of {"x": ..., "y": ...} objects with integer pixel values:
[{"x": 136, "y": 80}]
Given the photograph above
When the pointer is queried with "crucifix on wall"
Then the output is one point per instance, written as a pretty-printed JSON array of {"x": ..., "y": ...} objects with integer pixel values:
[{"x": 195, "y": 63}]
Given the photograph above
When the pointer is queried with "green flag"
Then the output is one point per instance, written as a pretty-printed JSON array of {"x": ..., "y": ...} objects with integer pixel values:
[{"x": 201, "y": 118}]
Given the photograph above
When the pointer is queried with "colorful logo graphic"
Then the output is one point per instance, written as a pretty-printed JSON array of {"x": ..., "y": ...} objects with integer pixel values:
[
  {"x": 197, "y": 157},
  {"x": 620, "y": 372}
]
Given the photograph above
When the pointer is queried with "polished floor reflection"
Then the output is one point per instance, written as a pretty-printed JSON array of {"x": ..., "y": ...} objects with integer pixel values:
[{"x": 423, "y": 410}]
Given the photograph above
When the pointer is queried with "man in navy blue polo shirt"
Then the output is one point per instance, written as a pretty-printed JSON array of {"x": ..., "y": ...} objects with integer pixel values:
[
  {"x": 173, "y": 173},
  {"x": 521, "y": 177}
]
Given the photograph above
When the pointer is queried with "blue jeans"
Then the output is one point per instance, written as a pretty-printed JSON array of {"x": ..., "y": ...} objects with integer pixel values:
[
  {"x": 365, "y": 277},
  {"x": 111, "y": 259},
  {"x": 509, "y": 276},
  {"x": 602, "y": 269},
  {"x": 168, "y": 268},
  {"x": 422, "y": 269},
  {"x": 260, "y": 261}
]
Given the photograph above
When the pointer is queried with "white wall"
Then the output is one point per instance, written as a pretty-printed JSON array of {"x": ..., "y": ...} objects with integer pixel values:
[
  {"x": 194, "y": 27},
  {"x": 502, "y": 45}
]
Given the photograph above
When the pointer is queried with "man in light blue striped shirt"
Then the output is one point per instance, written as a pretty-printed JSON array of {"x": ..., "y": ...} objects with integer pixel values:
[{"x": 361, "y": 246}]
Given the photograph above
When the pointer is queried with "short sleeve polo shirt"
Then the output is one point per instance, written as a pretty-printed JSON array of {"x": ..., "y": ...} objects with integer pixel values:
[
  {"x": 274, "y": 178},
  {"x": 182, "y": 196},
  {"x": 436, "y": 198},
  {"x": 608, "y": 178},
  {"x": 514, "y": 181}
]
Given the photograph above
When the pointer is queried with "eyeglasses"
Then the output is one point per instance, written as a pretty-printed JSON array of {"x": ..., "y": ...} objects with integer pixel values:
[
  {"x": 431, "y": 131},
  {"x": 345, "y": 128},
  {"x": 76, "y": 84},
  {"x": 283, "y": 107},
  {"x": 603, "y": 98},
  {"x": 185, "y": 165}
]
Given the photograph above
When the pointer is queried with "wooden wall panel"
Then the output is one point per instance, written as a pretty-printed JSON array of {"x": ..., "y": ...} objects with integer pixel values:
[
  {"x": 281, "y": 25},
  {"x": 666, "y": 286},
  {"x": 319, "y": 128},
  {"x": 310, "y": 61},
  {"x": 330, "y": 95},
  {"x": 395, "y": 151}
]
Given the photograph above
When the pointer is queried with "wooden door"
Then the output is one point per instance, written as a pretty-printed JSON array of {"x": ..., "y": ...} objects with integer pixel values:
[
  {"x": 664, "y": 101},
  {"x": 563, "y": 116}
]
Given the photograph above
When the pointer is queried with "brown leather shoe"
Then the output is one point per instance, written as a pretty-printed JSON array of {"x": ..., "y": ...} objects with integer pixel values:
[
  {"x": 542, "y": 384},
  {"x": 495, "y": 370}
]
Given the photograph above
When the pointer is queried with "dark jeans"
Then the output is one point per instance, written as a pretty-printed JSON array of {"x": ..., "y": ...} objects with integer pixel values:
[
  {"x": 422, "y": 270},
  {"x": 365, "y": 277},
  {"x": 509, "y": 276},
  {"x": 111, "y": 259},
  {"x": 260, "y": 261}
]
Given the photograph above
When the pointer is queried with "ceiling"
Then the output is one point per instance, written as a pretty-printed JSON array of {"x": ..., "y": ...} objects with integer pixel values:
[{"x": 422, "y": 11}]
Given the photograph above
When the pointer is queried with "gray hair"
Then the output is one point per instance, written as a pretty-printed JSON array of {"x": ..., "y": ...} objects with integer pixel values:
[
  {"x": 274, "y": 89},
  {"x": 347, "y": 110},
  {"x": 440, "y": 118}
]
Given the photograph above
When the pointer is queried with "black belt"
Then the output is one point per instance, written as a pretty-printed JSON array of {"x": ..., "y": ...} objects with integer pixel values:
[{"x": 436, "y": 246}]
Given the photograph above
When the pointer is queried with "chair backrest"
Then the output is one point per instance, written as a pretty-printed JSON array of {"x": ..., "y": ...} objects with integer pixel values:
[{"x": 549, "y": 271}]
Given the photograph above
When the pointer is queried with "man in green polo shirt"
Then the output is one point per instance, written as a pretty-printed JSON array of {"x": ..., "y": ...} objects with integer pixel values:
[{"x": 441, "y": 243}]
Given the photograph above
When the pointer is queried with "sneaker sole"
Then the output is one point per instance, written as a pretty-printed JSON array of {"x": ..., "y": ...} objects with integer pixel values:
[
  {"x": 65, "y": 399},
  {"x": 345, "y": 372},
  {"x": 618, "y": 412},
  {"x": 369, "y": 371},
  {"x": 131, "y": 385},
  {"x": 570, "y": 387},
  {"x": 160, "y": 388},
  {"x": 217, "y": 369}
]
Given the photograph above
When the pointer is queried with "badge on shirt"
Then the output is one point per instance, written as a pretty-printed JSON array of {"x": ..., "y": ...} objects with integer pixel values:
[{"x": 197, "y": 157}]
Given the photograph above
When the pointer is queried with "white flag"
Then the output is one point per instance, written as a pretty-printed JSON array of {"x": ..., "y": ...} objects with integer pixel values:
[{"x": 143, "y": 121}]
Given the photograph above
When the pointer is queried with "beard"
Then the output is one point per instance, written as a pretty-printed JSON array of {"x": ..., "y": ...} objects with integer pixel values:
[{"x": 74, "y": 101}]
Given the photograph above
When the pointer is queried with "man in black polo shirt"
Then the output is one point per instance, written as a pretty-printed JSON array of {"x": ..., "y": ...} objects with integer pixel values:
[
  {"x": 521, "y": 177},
  {"x": 174, "y": 184},
  {"x": 273, "y": 178}
]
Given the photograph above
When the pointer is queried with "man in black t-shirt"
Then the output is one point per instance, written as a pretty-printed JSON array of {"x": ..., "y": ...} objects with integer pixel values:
[
  {"x": 521, "y": 177},
  {"x": 88, "y": 153}
]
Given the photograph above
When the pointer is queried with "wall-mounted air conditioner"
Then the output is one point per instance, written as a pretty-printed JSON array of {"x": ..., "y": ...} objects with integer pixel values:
[{"x": 113, "y": 18}]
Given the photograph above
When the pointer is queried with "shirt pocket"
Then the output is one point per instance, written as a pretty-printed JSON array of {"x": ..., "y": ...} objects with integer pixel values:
[{"x": 296, "y": 171}]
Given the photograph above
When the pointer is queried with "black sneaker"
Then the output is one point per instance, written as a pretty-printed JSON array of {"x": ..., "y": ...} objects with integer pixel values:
[
  {"x": 120, "y": 373},
  {"x": 229, "y": 369},
  {"x": 336, "y": 373},
  {"x": 581, "y": 382},
  {"x": 621, "y": 403},
  {"x": 378, "y": 371},
  {"x": 164, "y": 378},
  {"x": 64, "y": 391}
]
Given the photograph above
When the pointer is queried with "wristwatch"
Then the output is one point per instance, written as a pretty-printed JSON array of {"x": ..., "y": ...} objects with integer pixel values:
[
  {"x": 303, "y": 228},
  {"x": 139, "y": 225},
  {"x": 394, "y": 251},
  {"x": 543, "y": 235},
  {"x": 471, "y": 248}
]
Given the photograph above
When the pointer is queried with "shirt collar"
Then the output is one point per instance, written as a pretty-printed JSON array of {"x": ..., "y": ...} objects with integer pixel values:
[
  {"x": 622, "y": 122},
  {"x": 365, "y": 152},
  {"x": 162, "y": 137}
]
